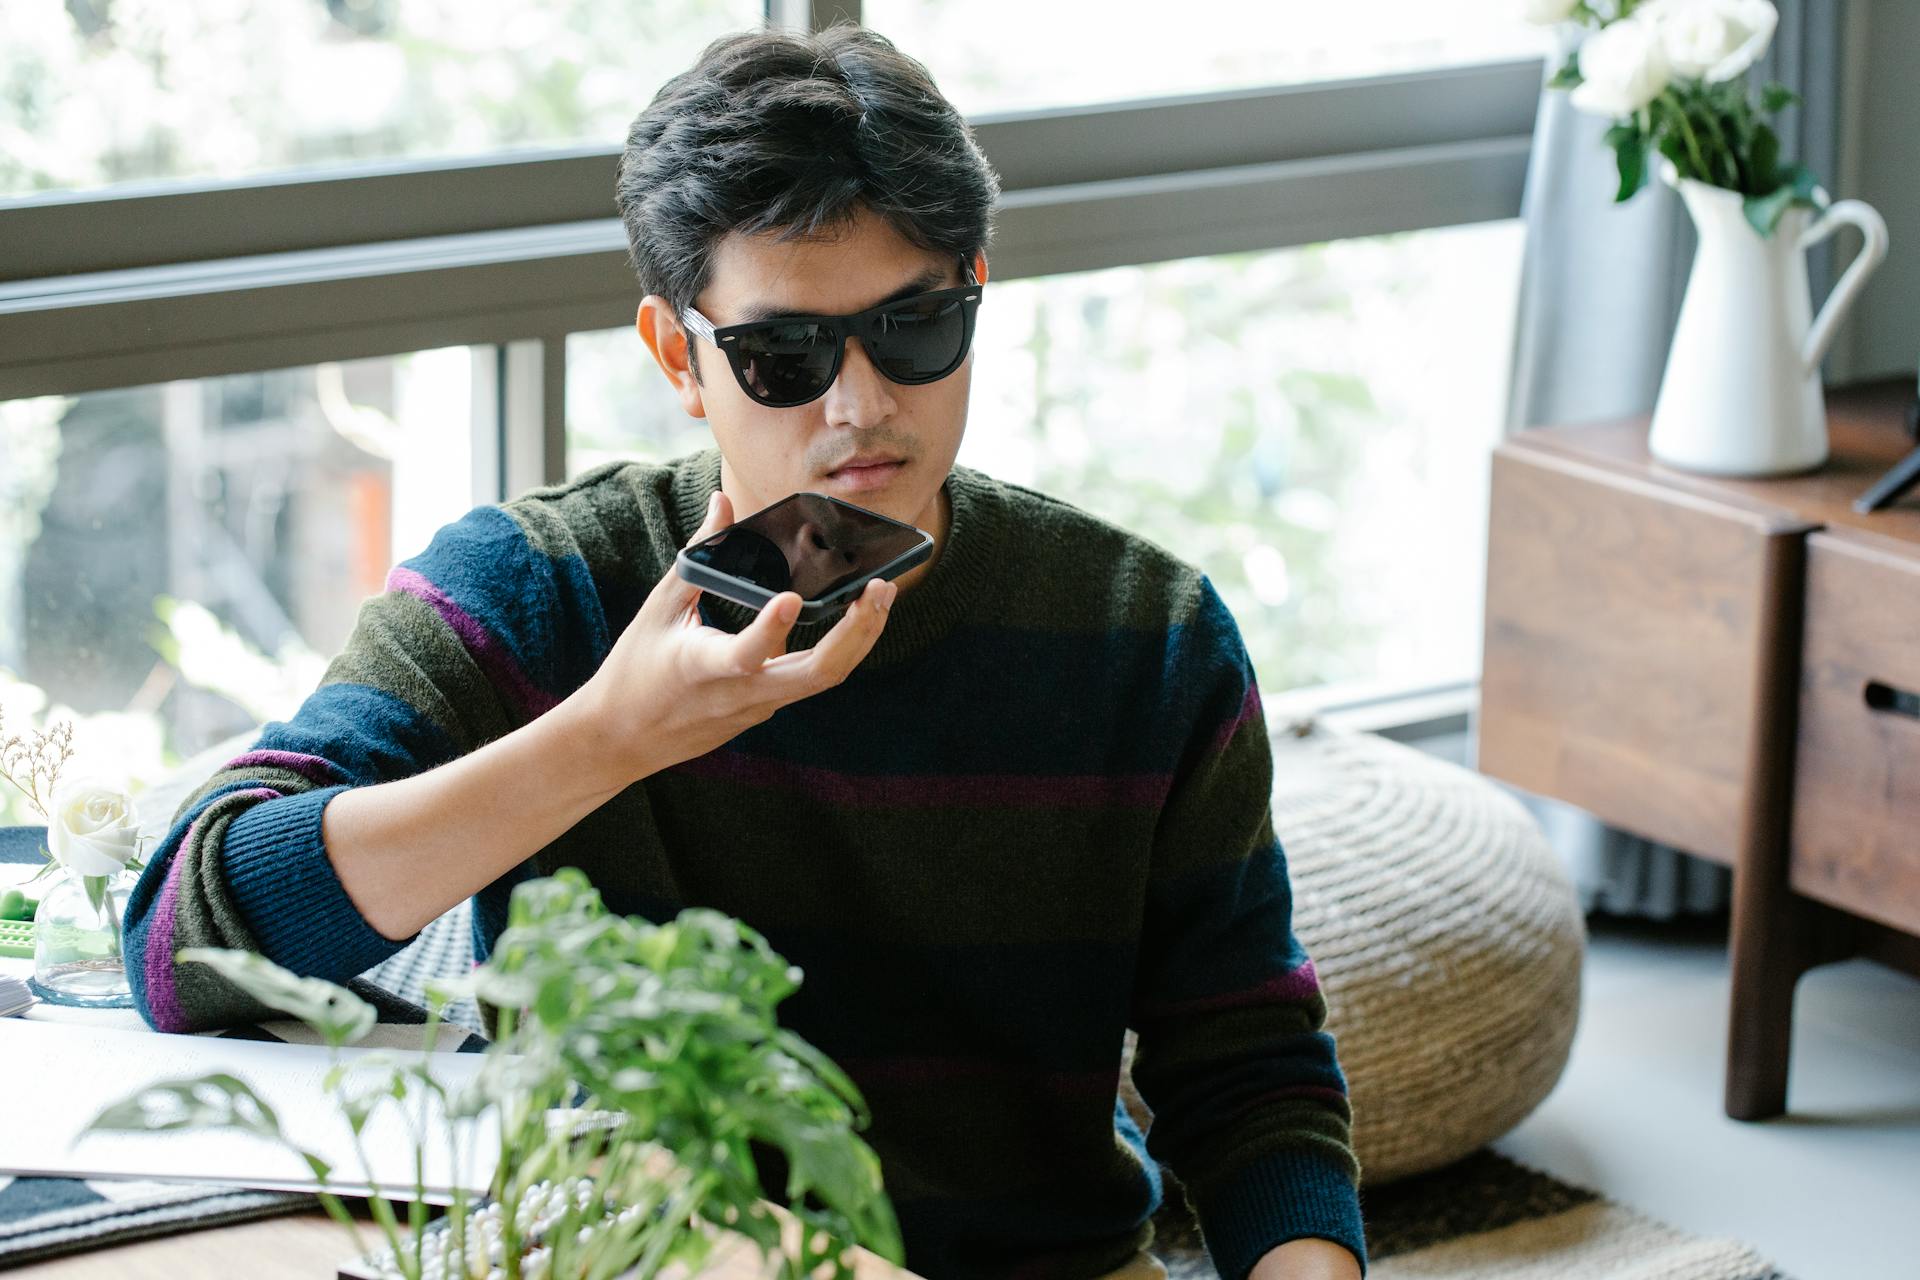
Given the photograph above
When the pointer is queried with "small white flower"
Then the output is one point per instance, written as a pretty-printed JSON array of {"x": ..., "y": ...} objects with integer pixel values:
[
  {"x": 1623, "y": 67},
  {"x": 1545, "y": 13},
  {"x": 1714, "y": 40},
  {"x": 93, "y": 829}
]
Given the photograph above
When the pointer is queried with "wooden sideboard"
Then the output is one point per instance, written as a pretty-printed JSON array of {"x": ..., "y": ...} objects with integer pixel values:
[{"x": 1731, "y": 667}]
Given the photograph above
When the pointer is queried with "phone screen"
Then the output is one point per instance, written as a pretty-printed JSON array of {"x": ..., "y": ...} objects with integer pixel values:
[{"x": 809, "y": 543}]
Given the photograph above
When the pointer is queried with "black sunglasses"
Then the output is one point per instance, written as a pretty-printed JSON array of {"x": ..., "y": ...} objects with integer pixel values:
[{"x": 791, "y": 360}]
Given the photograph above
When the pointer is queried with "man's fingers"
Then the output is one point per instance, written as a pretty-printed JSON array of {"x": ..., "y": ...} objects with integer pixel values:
[
  {"x": 719, "y": 516},
  {"x": 795, "y": 675},
  {"x": 763, "y": 638},
  {"x": 673, "y": 594}
]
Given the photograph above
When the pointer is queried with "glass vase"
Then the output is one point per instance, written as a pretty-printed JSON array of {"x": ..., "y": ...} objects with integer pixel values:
[{"x": 77, "y": 956}]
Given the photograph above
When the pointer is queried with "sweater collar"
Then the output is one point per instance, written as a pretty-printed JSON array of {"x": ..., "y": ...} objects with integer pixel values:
[{"x": 953, "y": 589}]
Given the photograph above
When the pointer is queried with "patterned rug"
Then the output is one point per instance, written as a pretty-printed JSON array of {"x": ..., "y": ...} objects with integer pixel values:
[{"x": 1487, "y": 1217}]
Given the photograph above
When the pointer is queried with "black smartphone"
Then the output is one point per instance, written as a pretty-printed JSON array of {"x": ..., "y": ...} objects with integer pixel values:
[{"x": 812, "y": 543}]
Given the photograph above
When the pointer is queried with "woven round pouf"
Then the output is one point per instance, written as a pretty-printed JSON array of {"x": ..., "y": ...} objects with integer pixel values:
[{"x": 1447, "y": 937}]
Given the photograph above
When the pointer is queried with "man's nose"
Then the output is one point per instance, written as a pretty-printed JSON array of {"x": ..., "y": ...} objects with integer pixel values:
[{"x": 861, "y": 395}]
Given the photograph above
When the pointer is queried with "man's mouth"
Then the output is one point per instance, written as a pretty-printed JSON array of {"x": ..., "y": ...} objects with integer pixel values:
[{"x": 867, "y": 473}]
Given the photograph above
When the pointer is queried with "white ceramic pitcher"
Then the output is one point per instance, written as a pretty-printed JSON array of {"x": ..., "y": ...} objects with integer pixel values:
[{"x": 1741, "y": 393}]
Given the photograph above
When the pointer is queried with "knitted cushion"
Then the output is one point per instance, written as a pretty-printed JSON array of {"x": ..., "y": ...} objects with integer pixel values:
[{"x": 1446, "y": 935}]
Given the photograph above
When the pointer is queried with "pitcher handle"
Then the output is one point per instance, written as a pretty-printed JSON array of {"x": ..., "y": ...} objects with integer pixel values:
[{"x": 1872, "y": 226}]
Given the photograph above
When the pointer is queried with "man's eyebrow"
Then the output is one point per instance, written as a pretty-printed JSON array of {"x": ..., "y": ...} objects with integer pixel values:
[{"x": 931, "y": 278}]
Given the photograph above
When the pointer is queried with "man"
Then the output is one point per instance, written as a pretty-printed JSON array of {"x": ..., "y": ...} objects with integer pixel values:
[{"x": 998, "y": 812}]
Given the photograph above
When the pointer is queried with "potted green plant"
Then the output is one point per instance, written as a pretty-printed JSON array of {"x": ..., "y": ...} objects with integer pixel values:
[{"x": 632, "y": 1066}]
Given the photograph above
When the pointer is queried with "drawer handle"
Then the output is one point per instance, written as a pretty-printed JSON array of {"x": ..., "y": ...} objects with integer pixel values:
[{"x": 1900, "y": 702}]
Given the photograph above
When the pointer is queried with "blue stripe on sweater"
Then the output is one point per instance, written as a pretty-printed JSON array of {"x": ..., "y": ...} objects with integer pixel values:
[
  {"x": 544, "y": 610},
  {"x": 373, "y": 735}
]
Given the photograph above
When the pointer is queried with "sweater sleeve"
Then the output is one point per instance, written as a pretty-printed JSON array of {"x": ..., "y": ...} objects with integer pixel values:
[
  {"x": 472, "y": 638},
  {"x": 1249, "y": 1104}
]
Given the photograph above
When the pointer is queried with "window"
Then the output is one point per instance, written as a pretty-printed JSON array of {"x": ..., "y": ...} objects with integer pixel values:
[
  {"x": 1005, "y": 55},
  {"x": 1309, "y": 425},
  {"x": 177, "y": 561},
  {"x": 621, "y": 406},
  {"x": 93, "y": 92},
  {"x": 1334, "y": 185}
]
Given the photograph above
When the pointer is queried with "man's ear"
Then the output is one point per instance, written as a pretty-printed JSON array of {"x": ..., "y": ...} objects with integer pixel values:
[{"x": 660, "y": 329}]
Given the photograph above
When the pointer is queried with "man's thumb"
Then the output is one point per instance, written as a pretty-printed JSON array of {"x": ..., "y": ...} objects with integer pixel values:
[{"x": 681, "y": 594}]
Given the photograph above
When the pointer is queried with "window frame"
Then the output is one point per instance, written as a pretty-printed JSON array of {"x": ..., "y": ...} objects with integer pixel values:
[{"x": 159, "y": 282}]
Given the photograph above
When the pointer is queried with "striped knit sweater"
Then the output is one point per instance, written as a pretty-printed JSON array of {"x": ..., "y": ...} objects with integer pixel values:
[{"x": 1037, "y": 814}]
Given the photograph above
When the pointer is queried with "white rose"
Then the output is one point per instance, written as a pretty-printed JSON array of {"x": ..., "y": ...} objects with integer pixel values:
[
  {"x": 1622, "y": 68},
  {"x": 93, "y": 829},
  {"x": 1546, "y": 12},
  {"x": 1713, "y": 39}
]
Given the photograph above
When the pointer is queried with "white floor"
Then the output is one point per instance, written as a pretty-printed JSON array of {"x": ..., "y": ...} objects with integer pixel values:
[{"x": 1831, "y": 1191}]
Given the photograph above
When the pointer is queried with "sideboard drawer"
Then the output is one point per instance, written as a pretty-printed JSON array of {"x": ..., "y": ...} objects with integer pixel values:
[
  {"x": 1856, "y": 799},
  {"x": 1630, "y": 635}
]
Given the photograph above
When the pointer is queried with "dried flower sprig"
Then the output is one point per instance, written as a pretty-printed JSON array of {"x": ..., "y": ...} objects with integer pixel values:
[{"x": 38, "y": 757}]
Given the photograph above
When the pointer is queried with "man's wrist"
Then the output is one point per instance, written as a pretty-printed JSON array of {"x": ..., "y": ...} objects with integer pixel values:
[
  {"x": 1307, "y": 1258},
  {"x": 579, "y": 722}
]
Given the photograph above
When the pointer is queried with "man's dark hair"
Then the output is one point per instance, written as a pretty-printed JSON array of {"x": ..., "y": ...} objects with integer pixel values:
[{"x": 775, "y": 131}]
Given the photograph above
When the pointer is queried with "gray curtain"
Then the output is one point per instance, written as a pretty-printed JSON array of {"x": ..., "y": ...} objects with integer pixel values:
[{"x": 1600, "y": 291}]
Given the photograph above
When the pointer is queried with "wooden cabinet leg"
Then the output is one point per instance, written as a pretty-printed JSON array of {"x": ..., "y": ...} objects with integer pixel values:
[
  {"x": 1767, "y": 955},
  {"x": 1770, "y": 938}
]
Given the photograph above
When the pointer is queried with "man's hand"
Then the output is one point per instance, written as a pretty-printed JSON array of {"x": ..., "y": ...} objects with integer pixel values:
[
  {"x": 1308, "y": 1258},
  {"x": 672, "y": 689}
]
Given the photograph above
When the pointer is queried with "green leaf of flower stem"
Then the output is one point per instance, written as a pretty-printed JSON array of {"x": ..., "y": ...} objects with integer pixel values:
[
  {"x": 1630, "y": 154},
  {"x": 96, "y": 887},
  {"x": 335, "y": 1013},
  {"x": 1777, "y": 97},
  {"x": 1798, "y": 187},
  {"x": 1763, "y": 212},
  {"x": 1568, "y": 76},
  {"x": 1766, "y": 159},
  {"x": 217, "y": 1101}
]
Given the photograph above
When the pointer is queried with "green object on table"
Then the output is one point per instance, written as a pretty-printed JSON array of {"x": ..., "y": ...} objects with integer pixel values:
[
  {"x": 16, "y": 938},
  {"x": 16, "y": 905}
]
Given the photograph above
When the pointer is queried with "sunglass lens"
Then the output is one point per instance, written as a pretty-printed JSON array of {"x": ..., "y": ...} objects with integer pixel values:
[
  {"x": 920, "y": 339},
  {"x": 786, "y": 364}
]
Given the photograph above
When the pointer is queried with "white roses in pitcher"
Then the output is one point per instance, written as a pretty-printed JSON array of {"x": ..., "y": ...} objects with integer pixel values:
[
  {"x": 1670, "y": 74},
  {"x": 1713, "y": 39},
  {"x": 1627, "y": 63},
  {"x": 1622, "y": 67}
]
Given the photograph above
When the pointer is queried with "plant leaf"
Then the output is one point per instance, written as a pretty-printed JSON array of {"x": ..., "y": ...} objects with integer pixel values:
[
  {"x": 217, "y": 1101},
  {"x": 336, "y": 1014},
  {"x": 1766, "y": 159},
  {"x": 1630, "y": 154},
  {"x": 1568, "y": 76},
  {"x": 1763, "y": 212},
  {"x": 1776, "y": 97}
]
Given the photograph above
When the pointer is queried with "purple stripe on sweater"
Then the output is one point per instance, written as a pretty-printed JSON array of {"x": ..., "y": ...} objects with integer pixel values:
[
  {"x": 163, "y": 996},
  {"x": 312, "y": 768},
  {"x": 1248, "y": 706},
  {"x": 1318, "y": 1092},
  {"x": 1295, "y": 984},
  {"x": 492, "y": 656},
  {"x": 915, "y": 791},
  {"x": 917, "y": 1072},
  {"x": 163, "y": 999}
]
